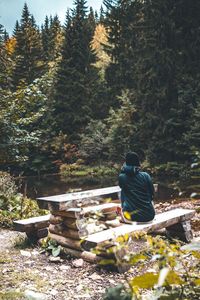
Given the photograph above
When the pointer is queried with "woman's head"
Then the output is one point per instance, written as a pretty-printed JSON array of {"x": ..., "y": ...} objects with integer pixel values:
[{"x": 132, "y": 159}]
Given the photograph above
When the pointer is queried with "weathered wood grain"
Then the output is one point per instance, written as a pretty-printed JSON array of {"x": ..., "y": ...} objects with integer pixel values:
[
  {"x": 66, "y": 232},
  {"x": 85, "y": 255},
  {"x": 70, "y": 200},
  {"x": 162, "y": 220},
  {"x": 32, "y": 223},
  {"x": 66, "y": 242}
]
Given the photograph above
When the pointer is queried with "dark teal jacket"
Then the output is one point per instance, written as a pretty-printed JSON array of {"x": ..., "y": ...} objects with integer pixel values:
[{"x": 137, "y": 193}]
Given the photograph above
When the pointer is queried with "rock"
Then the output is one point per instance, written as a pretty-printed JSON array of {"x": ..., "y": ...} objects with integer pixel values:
[
  {"x": 25, "y": 253},
  {"x": 64, "y": 268},
  {"x": 35, "y": 253},
  {"x": 53, "y": 292},
  {"x": 48, "y": 268},
  {"x": 194, "y": 196},
  {"x": 31, "y": 295},
  {"x": 95, "y": 276},
  {"x": 78, "y": 263},
  {"x": 55, "y": 259}
]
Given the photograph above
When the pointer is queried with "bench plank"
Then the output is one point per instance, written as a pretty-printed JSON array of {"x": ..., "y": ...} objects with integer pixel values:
[
  {"x": 69, "y": 200},
  {"x": 161, "y": 220},
  {"x": 35, "y": 222}
]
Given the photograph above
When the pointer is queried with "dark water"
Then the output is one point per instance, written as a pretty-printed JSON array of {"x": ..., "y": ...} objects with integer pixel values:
[{"x": 50, "y": 185}]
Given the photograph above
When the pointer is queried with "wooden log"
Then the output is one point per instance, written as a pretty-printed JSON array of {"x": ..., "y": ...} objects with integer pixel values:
[
  {"x": 37, "y": 234},
  {"x": 76, "y": 213},
  {"x": 102, "y": 208},
  {"x": 181, "y": 230},
  {"x": 85, "y": 255},
  {"x": 60, "y": 229},
  {"x": 71, "y": 223},
  {"x": 109, "y": 216},
  {"x": 73, "y": 213},
  {"x": 42, "y": 233},
  {"x": 56, "y": 219},
  {"x": 162, "y": 220},
  {"x": 66, "y": 242}
]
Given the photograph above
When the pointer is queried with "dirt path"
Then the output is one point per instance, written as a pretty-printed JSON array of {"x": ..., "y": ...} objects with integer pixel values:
[{"x": 27, "y": 270}]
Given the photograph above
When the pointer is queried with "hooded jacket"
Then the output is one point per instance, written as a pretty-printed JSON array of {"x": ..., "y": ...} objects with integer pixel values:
[{"x": 137, "y": 193}]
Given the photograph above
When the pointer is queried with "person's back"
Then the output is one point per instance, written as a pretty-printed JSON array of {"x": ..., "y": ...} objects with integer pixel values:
[{"x": 137, "y": 190}]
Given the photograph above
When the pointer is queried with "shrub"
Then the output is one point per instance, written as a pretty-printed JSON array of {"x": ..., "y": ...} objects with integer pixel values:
[
  {"x": 173, "y": 270},
  {"x": 13, "y": 205}
]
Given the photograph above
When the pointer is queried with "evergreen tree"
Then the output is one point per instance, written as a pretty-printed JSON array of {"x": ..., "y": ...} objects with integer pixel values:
[
  {"x": 101, "y": 15},
  {"x": 55, "y": 39},
  {"x": 3, "y": 60},
  {"x": 16, "y": 29},
  {"x": 165, "y": 91},
  {"x": 72, "y": 100},
  {"x": 91, "y": 22},
  {"x": 120, "y": 21},
  {"x": 45, "y": 38},
  {"x": 28, "y": 52},
  {"x": 154, "y": 51},
  {"x": 6, "y": 35}
]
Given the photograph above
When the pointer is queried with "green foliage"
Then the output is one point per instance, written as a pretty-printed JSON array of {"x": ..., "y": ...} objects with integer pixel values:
[
  {"x": 14, "y": 206},
  {"x": 174, "y": 270},
  {"x": 75, "y": 75},
  {"x": 29, "y": 63},
  {"x": 51, "y": 246},
  {"x": 94, "y": 143},
  {"x": 122, "y": 128},
  {"x": 21, "y": 120},
  {"x": 117, "y": 293},
  {"x": 79, "y": 170}
]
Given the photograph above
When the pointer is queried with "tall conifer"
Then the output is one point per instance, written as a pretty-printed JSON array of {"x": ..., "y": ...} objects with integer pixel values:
[
  {"x": 72, "y": 91},
  {"x": 28, "y": 51}
]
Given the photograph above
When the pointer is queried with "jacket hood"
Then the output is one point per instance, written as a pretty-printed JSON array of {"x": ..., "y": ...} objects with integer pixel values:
[{"x": 130, "y": 170}]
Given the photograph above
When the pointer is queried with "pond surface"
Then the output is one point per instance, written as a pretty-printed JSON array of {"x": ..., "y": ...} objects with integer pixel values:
[{"x": 50, "y": 185}]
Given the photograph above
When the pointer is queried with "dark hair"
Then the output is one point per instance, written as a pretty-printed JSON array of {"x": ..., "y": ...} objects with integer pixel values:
[{"x": 132, "y": 159}]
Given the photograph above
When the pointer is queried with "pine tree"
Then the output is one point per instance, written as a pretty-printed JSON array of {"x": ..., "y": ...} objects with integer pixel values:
[
  {"x": 91, "y": 22},
  {"x": 28, "y": 53},
  {"x": 155, "y": 51},
  {"x": 72, "y": 90},
  {"x": 16, "y": 29},
  {"x": 6, "y": 35},
  {"x": 121, "y": 18},
  {"x": 101, "y": 15},
  {"x": 165, "y": 90},
  {"x": 3, "y": 60},
  {"x": 55, "y": 39},
  {"x": 45, "y": 38}
]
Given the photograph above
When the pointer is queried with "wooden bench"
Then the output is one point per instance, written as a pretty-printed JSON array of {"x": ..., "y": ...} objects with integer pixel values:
[
  {"x": 176, "y": 222},
  {"x": 35, "y": 228}
]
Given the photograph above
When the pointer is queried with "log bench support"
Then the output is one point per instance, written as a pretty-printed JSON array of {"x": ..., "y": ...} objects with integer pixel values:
[
  {"x": 35, "y": 228},
  {"x": 182, "y": 231}
]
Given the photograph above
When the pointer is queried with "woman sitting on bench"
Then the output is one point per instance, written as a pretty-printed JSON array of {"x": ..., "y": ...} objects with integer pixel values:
[{"x": 137, "y": 192}]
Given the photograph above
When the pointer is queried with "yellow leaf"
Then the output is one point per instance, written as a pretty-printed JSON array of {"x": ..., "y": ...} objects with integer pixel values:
[
  {"x": 197, "y": 281},
  {"x": 146, "y": 281},
  {"x": 127, "y": 215},
  {"x": 105, "y": 262},
  {"x": 173, "y": 278}
]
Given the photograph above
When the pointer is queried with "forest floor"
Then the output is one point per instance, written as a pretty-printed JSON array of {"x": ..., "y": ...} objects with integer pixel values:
[{"x": 28, "y": 274}]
